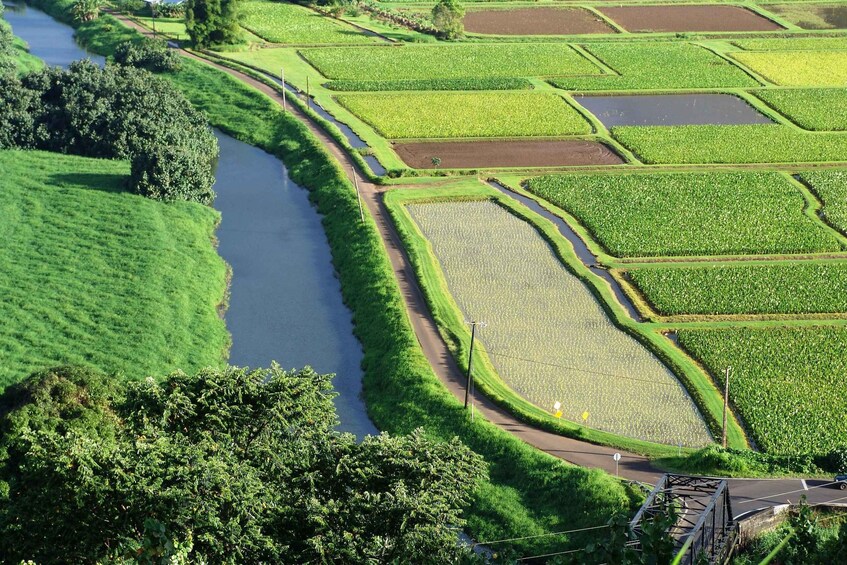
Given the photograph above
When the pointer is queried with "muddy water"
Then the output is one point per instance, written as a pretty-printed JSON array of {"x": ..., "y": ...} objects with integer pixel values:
[
  {"x": 285, "y": 301},
  {"x": 672, "y": 110},
  {"x": 835, "y": 16},
  {"x": 48, "y": 39}
]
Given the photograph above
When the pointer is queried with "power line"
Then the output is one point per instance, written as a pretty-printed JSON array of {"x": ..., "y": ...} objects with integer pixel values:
[
  {"x": 543, "y": 535},
  {"x": 550, "y": 554},
  {"x": 579, "y": 370},
  {"x": 787, "y": 492}
]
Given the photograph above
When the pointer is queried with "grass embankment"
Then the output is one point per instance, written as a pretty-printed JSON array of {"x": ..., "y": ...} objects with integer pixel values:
[
  {"x": 528, "y": 492},
  {"x": 95, "y": 276}
]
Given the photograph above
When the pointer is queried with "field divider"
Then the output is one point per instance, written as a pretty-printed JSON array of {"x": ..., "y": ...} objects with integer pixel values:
[{"x": 815, "y": 207}]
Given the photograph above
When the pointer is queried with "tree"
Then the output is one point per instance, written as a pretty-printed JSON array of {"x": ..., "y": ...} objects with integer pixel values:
[
  {"x": 227, "y": 465},
  {"x": 171, "y": 173},
  {"x": 447, "y": 18},
  {"x": 212, "y": 22},
  {"x": 150, "y": 54},
  {"x": 86, "y": 10}
]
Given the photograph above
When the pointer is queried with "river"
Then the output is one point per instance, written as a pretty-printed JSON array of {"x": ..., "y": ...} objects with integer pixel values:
[{"x": 285, "y": 301}]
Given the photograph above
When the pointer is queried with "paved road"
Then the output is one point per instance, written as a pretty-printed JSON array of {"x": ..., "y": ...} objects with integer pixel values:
[{"x": 747, "y": 494}]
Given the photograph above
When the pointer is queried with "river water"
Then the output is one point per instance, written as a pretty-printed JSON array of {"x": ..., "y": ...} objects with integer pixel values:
[{"x": 285, "y": 302}]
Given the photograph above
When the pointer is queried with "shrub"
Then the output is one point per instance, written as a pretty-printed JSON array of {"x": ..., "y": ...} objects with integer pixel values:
[
  {"x": 212, "y": 22},
  {"x": 149, "y": 54},
  {"x": 836, "y": 460},
  {"x": 447, "y": 16},
  {"x": 172, "y": 173}
]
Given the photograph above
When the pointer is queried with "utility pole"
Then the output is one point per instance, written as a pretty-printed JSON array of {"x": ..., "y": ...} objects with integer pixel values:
[
  {"x": 727, "y": 371},
  {"x": 282, "y": 72},
  {"x": 358, "y": 195},
  {"x": 308, "y": 95},
  {"x": 469, "y": 384}
]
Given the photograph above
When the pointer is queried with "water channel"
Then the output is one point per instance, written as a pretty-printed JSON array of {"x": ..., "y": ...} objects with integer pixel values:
[{"x": 285, "y": 302}]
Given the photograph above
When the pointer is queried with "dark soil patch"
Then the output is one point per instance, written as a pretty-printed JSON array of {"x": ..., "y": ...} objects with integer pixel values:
[
  {"x": 813, "y": 16},
  {"x": 535, "y": 21},
  {"x": 688, "y": 18},
  {"x": 490, "y": 154}
]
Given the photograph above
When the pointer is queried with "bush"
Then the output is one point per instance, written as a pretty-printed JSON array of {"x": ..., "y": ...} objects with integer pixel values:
[
  {"x": 149, "y": 54},
  {"x": 447, "y": 17},
  {"x": 836, "y": 460},
  {"x": 212, "y": 22},
  {"x": 172, "y": 173}
]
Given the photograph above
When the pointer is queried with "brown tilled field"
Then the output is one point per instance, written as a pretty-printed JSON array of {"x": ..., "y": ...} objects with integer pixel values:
[
  {"x": 535, "y": 21},
  {"x": 688, "y": 18},
  {"x": 489, "y": 154}
]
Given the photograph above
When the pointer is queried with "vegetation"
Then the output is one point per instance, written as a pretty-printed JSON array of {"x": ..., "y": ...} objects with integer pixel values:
[
  {"x": 447, "y": 18},
  {"x": 676, "y": 214},
  {"x": 731, "y": 144},
  {"x": 135, "y": 114},
  {"x": 223, "y": 466},
  {"x": 427, "y": 62},
  {"x": 496, "y": 83},
  {"x": 212, "y": 22},
  {"x": 474, "y": 114},
  {"x": 86, "y": 10},
  {"x": 279, "y": 22},
  {"x": 99, "y": 277},
  {"x": 656, "y": 65},
  {"x": 149, "y": 54},
  {"x": 787, "y": 383},
  {"x": 788, "y": 288},
  {"x": 791, "y": 43},
  {"x": 812, "y": 108},
  {"x": 831, "y": 187},
  {"x": 602, "y": 370},
  {"x": 798, "y": 68}
]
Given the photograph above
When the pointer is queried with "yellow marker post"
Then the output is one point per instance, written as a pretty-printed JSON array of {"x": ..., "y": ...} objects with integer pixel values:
[
  {"x": 558, "y": 414},
  {"x": 585, "y": 417}
]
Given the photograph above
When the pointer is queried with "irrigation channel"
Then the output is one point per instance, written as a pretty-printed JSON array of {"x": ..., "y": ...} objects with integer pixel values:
[{"x": 285, "y": 302}]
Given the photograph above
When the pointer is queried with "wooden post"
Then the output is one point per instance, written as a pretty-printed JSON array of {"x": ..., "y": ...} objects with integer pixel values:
[
  {"x": 358, "y": 196},
  {"x": 284, "y": 109},
  {"x": 308, "y": 95},
  {"x": 725, "y": 401}
]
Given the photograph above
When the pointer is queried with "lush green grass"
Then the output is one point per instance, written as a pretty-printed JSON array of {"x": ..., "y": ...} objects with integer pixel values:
[
  {"x": 498, "y": 268},
  {"x": 96, "y": 276},
  {"x": 657, "y": 65},
  {"x": 280, "y": 22},
  {"x": 787, "y": 383},
  {"x": 822, "y": 109},
  {"x": 431, "y": 84},
  {"x": 689, "y": 213},
  {"x": 792, "y": 43},
  {"x": 798, "y": 68},
  {"x": 448, "y": 61},
  {"x": 799, "y": 288},
  {"x": 171, "y": 27},
  {"x": 466, "y": 114},
  {"x": 732, "y": 144},
  {"x": 25, "y": 61},
  {"x": 831, "y": 188}
]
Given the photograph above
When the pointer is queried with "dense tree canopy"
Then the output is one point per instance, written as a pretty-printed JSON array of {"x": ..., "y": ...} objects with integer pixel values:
[
  {"x": 212, "y": 22},
  {"x": 224, "y": 466},
  {"x": 117, "y": 112},
  {"x": 447, "y": 18}
]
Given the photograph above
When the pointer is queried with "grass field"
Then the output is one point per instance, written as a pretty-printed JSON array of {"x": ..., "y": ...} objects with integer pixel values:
[
  {"x": 657, "y": 65},
  {"x": 732, "y": 144},
  {"x": 448, "y": 61},
  {"x": 798, "y": 68},
  {"x": 792, "y": 44},
  {"x": 831, "y": 188},
  {"x": 787, "y": 383},
  {"x": 823, "y": 109},
  {"x": 280, "y": 22},
  {"x": 496, "y": 83},
  {"x": 96, "y": 276},
  {"x": 689, "y": 214},
  {"x": 476, "y": 114},
  {"x": 546, "y": 334},
  {"x": 791, "y": 288}
]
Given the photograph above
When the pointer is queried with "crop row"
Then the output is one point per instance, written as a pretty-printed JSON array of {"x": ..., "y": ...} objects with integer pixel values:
[
  {"x": 279, "y": 22},
  {"x": 799, "y": 288},
  {"x": 657, "y": 65},
  {"x": 787, "y": 383},
  {"x": 823, "y": 109},
  {"x": 546, "y": 334},
  {"x": 792, "y": 44},
  {"x": 460, "y": 114},
  {"x": 494, "y": 83},
  {"x": 732, "y": 144},
  {"x": 798, "y": 68},
  {"x": 831, "y": 188},
  {"x": 460, "y": 61},
  {"x": 689, "y": 213}
]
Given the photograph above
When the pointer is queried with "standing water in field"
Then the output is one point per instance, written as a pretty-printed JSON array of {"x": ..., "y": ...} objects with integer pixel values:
[
  {"x": 49, "y": 40},
  {"x": 285, "y": 302},
  {"x": 672, "y": 110}
]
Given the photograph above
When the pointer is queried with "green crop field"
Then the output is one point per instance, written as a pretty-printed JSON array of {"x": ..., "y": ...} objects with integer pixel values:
[
  {"x": 476, "y": 114},
  {"x": 831, "y": 188},
  {"x": 798, "y": 288},
  {"x": 495, "y": 83},
  {"x": 798, "y": 68},
  {"x": 787, "y": 383},
  {"x": 96, "y": 276},
  {"x": 732, "y": 144},
  {"x": 448, "y": 61},
  {"x": 792, "y": 44},
  {"x": 657, "y": 65},
  {"x": 689, "y": 213},
  {"x": 823, "y": 109},
  {"x": 547, "y": 336},
  {"x": 280, "y": 22}
]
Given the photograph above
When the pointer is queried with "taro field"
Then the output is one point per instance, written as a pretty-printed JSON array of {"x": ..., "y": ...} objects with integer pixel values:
[{"x": 716, "y": 216}]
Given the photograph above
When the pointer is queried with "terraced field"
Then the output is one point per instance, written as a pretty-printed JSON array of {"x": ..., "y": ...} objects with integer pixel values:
[
  {"x": 821, "y": 109},
  {"x": 798, "y": 68},
  {"x": 280, "y": 22}
]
